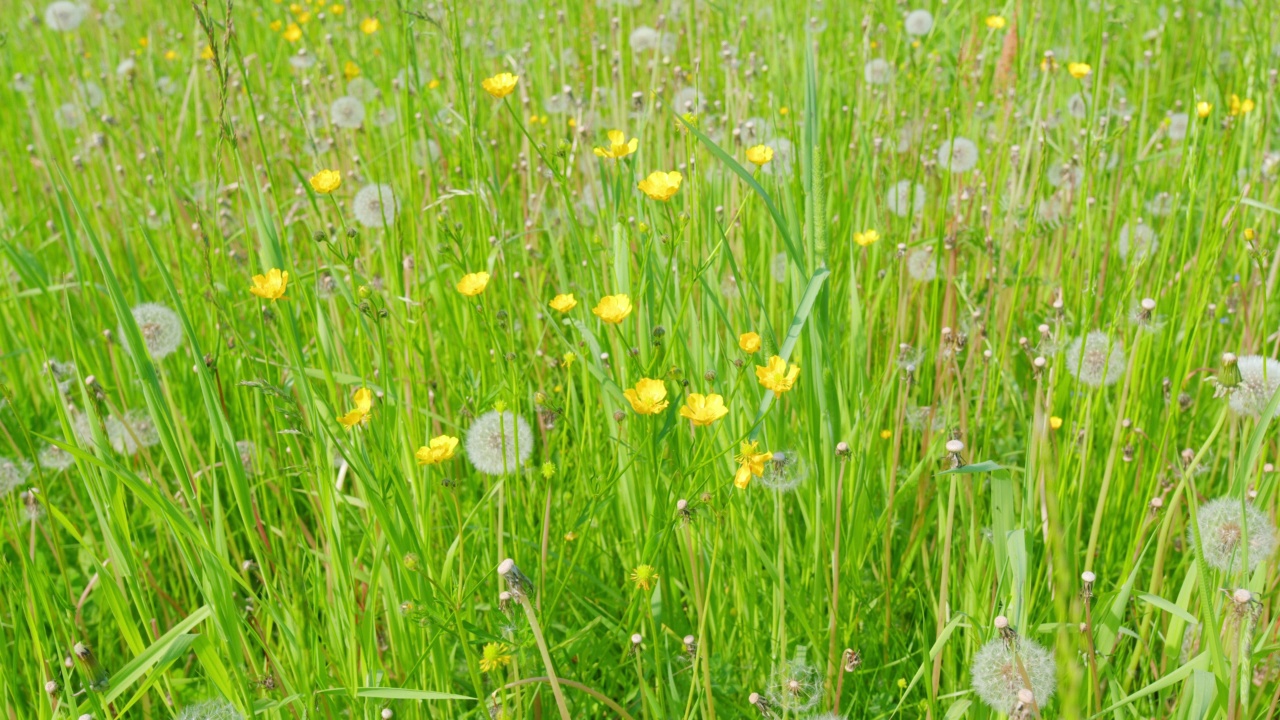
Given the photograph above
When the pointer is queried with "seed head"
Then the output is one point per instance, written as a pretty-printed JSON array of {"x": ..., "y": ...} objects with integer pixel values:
[
  {"x": 1096, "y": 359},
  {"x": 1259, "y": 380},
  {"x": 998, "y": 673},
  {"x": 498, "y": 443},
  {"x": 1223, "y": 525}
]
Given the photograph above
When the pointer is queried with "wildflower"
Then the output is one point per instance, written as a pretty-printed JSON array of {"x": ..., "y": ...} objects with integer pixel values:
[
  {"x": 500, "y": 85},
  {"x": 247, "y": 451},
  {"x": 1176, "y": 126},
  {"x": 161, "y": 329},
  {"x": 437, "y": 450},
  {"x": 661, "y": 185},
  {"x": 906, "y": 198},
  {"x": 1079, "y": 70},
  {"x": 702, "y": 410},
  {"x": 494, "y": 657},
  {"x": 13, "y": 473},
  {"x": 776, "y": 376},
  {"x": 750, "y": 463},
  {"x": 1241, "y": 107},
  {"x": 795, "y": 686},
  {"x": 350, "y": 70},
  {"x": 644, "y": 576},
  {"x": 206, "y": 53},
  {"x": 613, "y": 309},
  {"x": 995, "y": 22},
  {"x": 784, "y": 110},
  {"x": 1259, "y": 380},
  {"x": 53, "y": 458},
  {"x": 326, "y": 181},
  {"x": 210, "y": 710},
  {"x": 918, "y": 22},
  {"x": 563, "y": 302},
  {"x": 275, "y": 26},
  {"x": 270, "y": 286},
  {"x": 64, "y": 16},
  {"x": 902, "y": 683},
  {"x": 473, "y": 284},
  {"x": 1223, "y": 523},
  {"x": 784, "y": 470},
  {"x": 375, "y": 206},
  {"x": 336, "y": 9},
  {"x": 648, "y": 397},
  {"x": 347, "y": 112},
  {"x": 360, "y": 413},
  {"x": 1203, "y": 109},
  {"x": 369, "y": 26},
  {"x": 1096, "y": 359},
  {"x": 958, "y": 155},
  {"x": 499, "y": 442},
  {"x": 877, "y": 71},
  {"x": 998, "y": 667},
  {"x": 1055, "y": 422},
  {"x": 293, "y": 33},
  {"x": 1136, "y": 242},
  {"x": 749, "y": 342},
  {"x": 619, "y": 146},
  {"x": 866, "y": 237},
  {"x": 760, "y": 155}
]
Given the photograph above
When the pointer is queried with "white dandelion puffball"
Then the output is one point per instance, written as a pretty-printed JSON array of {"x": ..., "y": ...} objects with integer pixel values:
[
  {"x": 1136, "y": 242},
  {"x": 795, "y": 686},
  {"x": 921, "y": 265},
  {"x": 778, "y": 267},
  {"x": 1078, "y": 106},
  {"x": 210, "y": 710},
  {"x": 997, "y": 677},
  {"x": 302, "y": 60},
  {"x": 160, "y": 327},
  {"x": 1259, "y": 379},
  {"x": 139, "y": 431},
  {"x": 347, "y": 112},
  {"x": 958, "y": 155},
  {"x": 375, "y": 205},
  {"x": 644, "y": 39},
  {"x": 1223, "y": 524},
  {"x": 1178, "y": 126},
  {"x": 13, "y": 473},
  {"x": 1096, "y": 359},
  {"x": 906, "y": 198},
  {"x": 784, "y": 471},
  {"x": 23, "y": 84},
  {"x": 248, "y": 453},
  {"x": 689, "y": 100},
  {"x": 877, "y": 71},
  {"x": 784, "y": 155},
  {"x": 92, "y": 94},
  {"x": 68, "y": 116},
  {"x": 1060, "y": 174},
  {"x": 64, "y": 16},
  {"x": 55, "y": 458},
  {"x": 127, "y": 67},
  {"x": 362, "y": 89},
  {"x": 498, "y": 443},
  {"x": 918, "y": 22}
]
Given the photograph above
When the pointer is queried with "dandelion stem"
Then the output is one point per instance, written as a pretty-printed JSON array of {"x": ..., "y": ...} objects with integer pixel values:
[{"x": 546, "y": 658}]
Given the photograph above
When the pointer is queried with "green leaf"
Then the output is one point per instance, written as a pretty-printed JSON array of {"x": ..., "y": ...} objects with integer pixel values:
[
  {"x": 1167, "y": 606},
  {"x": 984, "y": 466},
  {"x": 130, "y": 673},
  {"x": 793, "y": 334},
  {"x": 1199, "y": 662}
]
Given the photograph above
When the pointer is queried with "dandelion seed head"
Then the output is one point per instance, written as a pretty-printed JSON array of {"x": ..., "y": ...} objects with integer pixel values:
[
  {"x": 13, "y": 473},
  {"x": 906, "y": 198},
  {"x": 918, "y": 22},
  {"x": 361, "y": 89},
  {"x": 1078, "y": 106},
  {"x": 375, "y": 205},
  {"x": 498, "y": 443},
  {"x": 68, "y": 116},
  {"x": 347, "y": 112},
  {"x": 248, "y": 452},
  {"x": 795, "y": 686},
  {"x": 877, "y": 71},
  {"x": 1178, "y": 123},
  {"x": 1137, "y": 241},
  {"x": 160, "y": 327},
  {"x": 210, "y": 710},
  {"x": 64, "y": 16},
  {"x": 1259, "y": 380},
  {"x": 1095, "y": 360},
  {"x": 55, "y": 458},
  {"x": 921, "y": 265},
  {"x": 958, "y": 155},
  {"x": 1223, "y": 525},
  {"x": 998, "y": 680},
  {"x": 784, "y": 471}
]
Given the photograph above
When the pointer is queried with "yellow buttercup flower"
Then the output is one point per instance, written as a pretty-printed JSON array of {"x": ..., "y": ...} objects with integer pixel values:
[
  {"x": 500, "y": 85},
  {"x": 1079, "y": 70},
  {"x": 326, "y": 181},
  {"x": 776, "y": 376},
  {"x": 866, "y": 237},
  {"x": 369, "y": 26},
  {"x": 613, "y": 309},
  {"x": 437, "y": 450},
  {"x": 619, "y": 146},
  {"x": 1055, "y": 422},
  {"x": 1203, "y": 109},
  {"x": 749, "y": 342},
  {"x": 293, "y": 33},
  {"x": 643, "y": 576},
  {"x": 563, "y": 302},
  {"x": 1241, "y": 107},
  {"x": 171, "y": 55},
  {"x": 995, "y": 22},
  {"x": 661, "y": 185},
  {"x": 336, "y": 9},
  {"x": 270, "y": 286},
  {"x": 759, "y": 154},
  {"x": 275, "y": 27},
  {"x": 473, "y": 284},
  {"x": 206, "y": 53},
  {"x": 494, "y": 657},
  {"x": 360, "y": 413},
  {"x": 351, "y": 70},
  {"x": 648, "y": 397},
  {"x": 702, "y": 410},
  {"x": 750, "y": 463}
]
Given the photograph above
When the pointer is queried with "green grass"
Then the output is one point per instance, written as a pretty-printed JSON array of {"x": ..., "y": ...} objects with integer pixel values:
[{"x": 235, "y": 542}]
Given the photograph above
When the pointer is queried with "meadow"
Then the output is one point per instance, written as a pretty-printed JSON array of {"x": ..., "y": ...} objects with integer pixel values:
[{"x": 639, "y": 359}]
